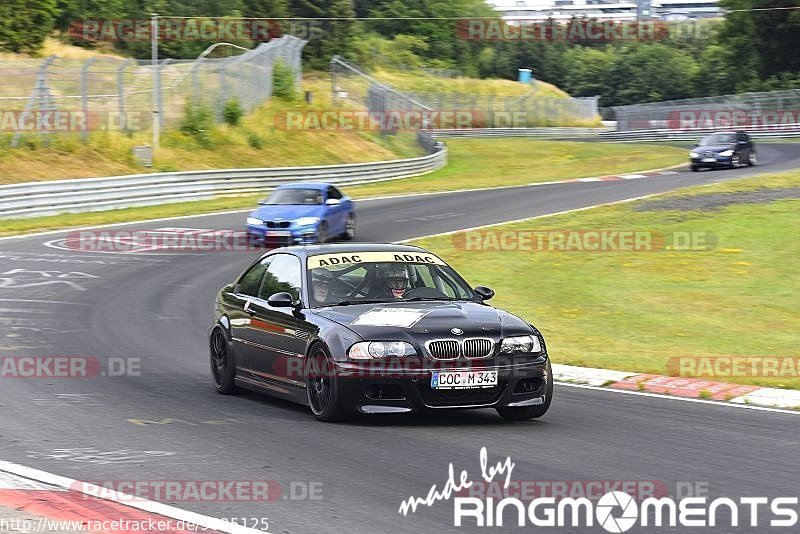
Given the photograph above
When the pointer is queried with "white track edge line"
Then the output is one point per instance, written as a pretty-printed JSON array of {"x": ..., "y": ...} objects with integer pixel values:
[
  {"x": 146, "y": 505},
  {"x": 530, "y": 218},
  {"x": 683, "y": 399}
]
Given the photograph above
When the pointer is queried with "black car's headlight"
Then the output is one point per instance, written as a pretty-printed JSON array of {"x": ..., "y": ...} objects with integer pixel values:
[
  {"x": 726, "y": 153},
  {"x": 521, "y": 345},
  {"x": 368, "y": 350}
]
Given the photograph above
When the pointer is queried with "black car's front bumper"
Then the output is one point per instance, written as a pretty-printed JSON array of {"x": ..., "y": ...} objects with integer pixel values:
[
  {"x": 711, "y": 162},
  {"x": 366, "y": 391}
]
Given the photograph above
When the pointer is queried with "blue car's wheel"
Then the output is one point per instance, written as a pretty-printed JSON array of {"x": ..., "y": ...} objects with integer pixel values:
[{"x": 322, "y": 232}]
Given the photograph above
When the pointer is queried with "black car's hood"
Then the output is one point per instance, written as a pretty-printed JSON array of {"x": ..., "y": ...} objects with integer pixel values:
[
  {"x": 713, "y": 148},
  {"x": 404, "y": 320}
]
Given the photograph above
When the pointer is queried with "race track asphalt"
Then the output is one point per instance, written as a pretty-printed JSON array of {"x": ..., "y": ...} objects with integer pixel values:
[{"x": 157, "y": 307}]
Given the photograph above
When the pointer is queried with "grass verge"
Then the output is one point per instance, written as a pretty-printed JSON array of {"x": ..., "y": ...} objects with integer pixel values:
[
  {"x": 636, "y": 311},
  {"x": 473, "y": 163}
]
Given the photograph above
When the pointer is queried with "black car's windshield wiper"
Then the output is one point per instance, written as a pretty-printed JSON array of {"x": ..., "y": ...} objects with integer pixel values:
[
  {"x": 360, "y": 301},
  {"x": 412, "y": 299}
]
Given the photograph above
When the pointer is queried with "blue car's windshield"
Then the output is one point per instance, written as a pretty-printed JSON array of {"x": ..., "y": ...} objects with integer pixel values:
[
  {"x": 718, "y": 139},
  {"x": 295, "y": 196}
]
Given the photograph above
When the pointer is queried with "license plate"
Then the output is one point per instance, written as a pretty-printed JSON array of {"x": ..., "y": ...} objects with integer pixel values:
[
  {"x": 277, "y": 233},
  {"x": 463, "y": 379},
  {"x": 709, "y": 160}
]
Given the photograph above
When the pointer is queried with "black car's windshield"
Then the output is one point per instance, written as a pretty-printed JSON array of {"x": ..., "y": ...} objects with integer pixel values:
[
  {"x": 295, "y": 196},
  {"x": 374, "y": 277},
  {"x": 718, "y": 139}
]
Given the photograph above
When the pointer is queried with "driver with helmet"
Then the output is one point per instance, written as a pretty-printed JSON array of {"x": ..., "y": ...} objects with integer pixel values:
[
  {"x": 322, "y": 283},
  {"x": 394, "y": 280}
]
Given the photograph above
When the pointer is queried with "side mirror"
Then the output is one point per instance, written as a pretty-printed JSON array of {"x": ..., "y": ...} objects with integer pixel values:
[
  {"x": 236, "y": 288},
  {"x": 333, "y": 202},
  {"x": 484, "y": 292},
  {"x": 282, "y": 300}
]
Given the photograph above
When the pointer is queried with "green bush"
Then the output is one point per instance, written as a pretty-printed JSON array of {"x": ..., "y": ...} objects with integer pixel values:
[
  {"x": 197, "y": 122},
  {"x": 232, "y": 112},
  {"x": 255, "y": 140},
  {"x": 283, "y": 81}
]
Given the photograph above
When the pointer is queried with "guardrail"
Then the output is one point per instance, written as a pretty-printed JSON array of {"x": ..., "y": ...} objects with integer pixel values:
[
  {"x": 784, "y": 131},
  {"x": 555, "y": 131},
  {"x": 606, "y": 134},
  {"x": 96, "y": 194}
]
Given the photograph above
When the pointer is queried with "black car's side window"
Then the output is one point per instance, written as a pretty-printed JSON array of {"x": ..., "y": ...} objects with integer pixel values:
[
  {"x": 283, "y": 274},
  {"x": 251, "y": 280}
]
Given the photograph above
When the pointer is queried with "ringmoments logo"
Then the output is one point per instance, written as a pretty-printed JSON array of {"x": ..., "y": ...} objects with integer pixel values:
[{"x": 615, "y": 511}]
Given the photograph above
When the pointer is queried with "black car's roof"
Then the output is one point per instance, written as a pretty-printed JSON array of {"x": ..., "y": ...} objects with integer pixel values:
[{"x": 304, "y": 251}]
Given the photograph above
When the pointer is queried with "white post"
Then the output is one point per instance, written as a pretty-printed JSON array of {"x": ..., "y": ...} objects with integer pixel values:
[{"x": 156, "y": 81}]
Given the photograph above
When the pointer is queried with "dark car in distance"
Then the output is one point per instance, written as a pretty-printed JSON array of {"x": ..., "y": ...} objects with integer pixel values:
[
  {"x": 723, "y": 150},
  {"x": 374, "y": 329}
]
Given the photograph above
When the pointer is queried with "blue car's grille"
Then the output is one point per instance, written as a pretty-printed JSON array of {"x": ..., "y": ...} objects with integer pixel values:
[{"x": 278, "y": 224}]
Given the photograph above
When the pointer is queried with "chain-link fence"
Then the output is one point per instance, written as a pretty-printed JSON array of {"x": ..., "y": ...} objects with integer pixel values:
[
  {"x": 352, "y": 85},
  {"x": 776, "y": 109},
  {"x": 66, "y": 96}
]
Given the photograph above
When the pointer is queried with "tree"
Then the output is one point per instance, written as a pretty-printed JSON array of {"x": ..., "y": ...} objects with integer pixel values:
[
  {"x": 765, "y": 41},
  {"x": 24, "y": 24},
  {"x": 648, "y": 73},
  {"x": 336, "y": 35},
  {"x": 586, "y": 70}
]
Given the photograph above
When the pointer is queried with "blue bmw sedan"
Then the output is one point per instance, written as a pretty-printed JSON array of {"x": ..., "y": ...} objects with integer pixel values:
[{"x": 302, "y": 213}]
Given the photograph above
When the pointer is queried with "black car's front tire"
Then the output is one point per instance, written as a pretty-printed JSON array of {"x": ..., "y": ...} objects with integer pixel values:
[
  {"x": 350, "y": 227},
  {"x": 695, "y": 168},
  {"x": 223, "y": 363},
  {"x": 523, "y": 413},
  {"x": 322, "y": 386}
]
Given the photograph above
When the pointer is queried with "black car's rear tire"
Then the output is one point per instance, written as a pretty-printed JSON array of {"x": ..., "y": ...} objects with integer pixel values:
[
  {"x": 752, "y": 158},
  {"x": 223, "y": 363},
  {"x": 523, "y": 413},
  {"x": 322, "y": 386}
]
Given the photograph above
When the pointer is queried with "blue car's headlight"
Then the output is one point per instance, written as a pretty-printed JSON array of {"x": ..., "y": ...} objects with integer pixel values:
[
  {"x": 254, "y": 221},
  {"x": 306, "y": 221}
]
